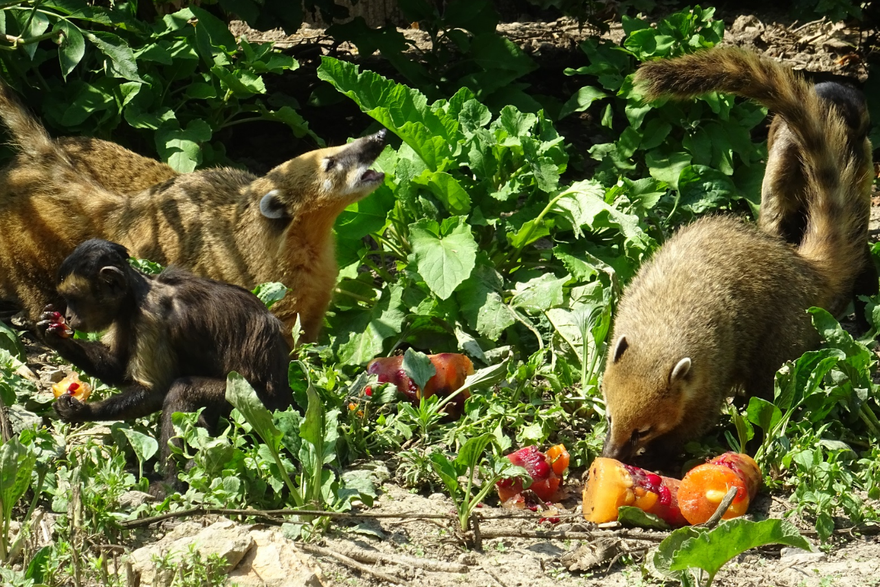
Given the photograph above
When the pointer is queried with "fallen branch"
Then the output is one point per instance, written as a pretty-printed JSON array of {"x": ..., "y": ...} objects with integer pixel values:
[
  {"x": 317, "y": 550},
  {"x": 568, "y": 535},
  {"x": 371, "y": 556}
]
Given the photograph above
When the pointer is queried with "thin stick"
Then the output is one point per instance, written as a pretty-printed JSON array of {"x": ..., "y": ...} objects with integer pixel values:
[
  {"x": 371, "y": 556},
  {"x": 317, "y": 550},
  {"x": 721, "y": 509},
  {"x": 566, "y": 535}
]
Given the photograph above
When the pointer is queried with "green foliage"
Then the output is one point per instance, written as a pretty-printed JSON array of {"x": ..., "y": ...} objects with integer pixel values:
[
  {"x": 689, "y": 550},
  {"x": 484, "y": 240},
  {"x": 191, "y": 569},
  {"x": 465, "y": 51},
  {"x": 699, "y": 155},
  {"x": 181, "y": 79}
]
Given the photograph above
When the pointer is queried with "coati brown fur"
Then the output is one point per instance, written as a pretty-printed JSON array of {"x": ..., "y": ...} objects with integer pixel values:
[
  {"x": 723, "y": 304},
  {"x": 783, "y": 192},
  {"x": 224, "y": 224},
  {"x": 114, "y": 167},
  {"x": 169, "y": 341}
]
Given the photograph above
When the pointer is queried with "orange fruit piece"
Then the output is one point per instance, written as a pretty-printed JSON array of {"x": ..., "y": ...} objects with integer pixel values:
[
  {"x": 451, "y": 371},
  {"x": 71, "y": 385},
  {"x": 559, "y": 458},
  {"x": 611, "y": 484},
  {"x": 704, "y": 486}
]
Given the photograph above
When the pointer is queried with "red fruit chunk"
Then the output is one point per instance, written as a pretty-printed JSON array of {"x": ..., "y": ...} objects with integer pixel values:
[
  {"x": 704, "y": 486},
  {"x": 451, "y": 371},
  {"x": 611, "y": 484},
  {"x": 545, "y": 480}
]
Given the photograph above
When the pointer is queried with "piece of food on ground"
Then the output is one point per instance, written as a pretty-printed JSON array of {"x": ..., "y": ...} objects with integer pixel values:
[
  {"x": 704, "y": 486},
  {"x": 452, "y": 369},
  {"x": 546, "y": 471},
  {"x": 611, "y": 484},
  {"x": 71, "y": 385}
]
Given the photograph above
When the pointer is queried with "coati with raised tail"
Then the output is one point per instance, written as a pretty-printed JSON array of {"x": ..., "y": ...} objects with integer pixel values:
[
  {"x": 722, "y": 304},
  {"x": 225, "y": 224},
  {"x": 783, "y": 191}
]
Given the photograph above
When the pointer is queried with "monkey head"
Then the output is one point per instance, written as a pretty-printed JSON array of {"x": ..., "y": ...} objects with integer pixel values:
[
  {"x": 95, "y": 282},
  {"x": 325, "y": 179}
]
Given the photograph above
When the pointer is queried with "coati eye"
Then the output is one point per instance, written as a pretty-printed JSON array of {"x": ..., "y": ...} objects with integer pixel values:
[
  {"x": 640, "y": 435},
  {"x": 330, "y": 163}
]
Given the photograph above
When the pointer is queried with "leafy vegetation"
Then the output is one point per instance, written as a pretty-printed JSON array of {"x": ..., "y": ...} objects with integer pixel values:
[{"x": 486, "y": 238}]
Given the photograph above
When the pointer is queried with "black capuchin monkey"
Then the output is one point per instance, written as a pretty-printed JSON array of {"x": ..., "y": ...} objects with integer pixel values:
[{"x": 169, "y": 341}]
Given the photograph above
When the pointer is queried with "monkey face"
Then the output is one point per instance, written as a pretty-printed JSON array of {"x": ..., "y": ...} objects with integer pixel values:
[{"x": 95, "y": 285}]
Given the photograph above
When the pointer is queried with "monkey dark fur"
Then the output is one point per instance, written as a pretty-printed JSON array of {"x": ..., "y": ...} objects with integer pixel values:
[{"x": 170, "y": 341}]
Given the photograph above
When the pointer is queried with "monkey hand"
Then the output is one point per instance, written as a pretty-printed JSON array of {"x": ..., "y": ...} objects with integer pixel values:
[
  {"x": 71, "y": 409},
  {"x": 53, "y": 323}
]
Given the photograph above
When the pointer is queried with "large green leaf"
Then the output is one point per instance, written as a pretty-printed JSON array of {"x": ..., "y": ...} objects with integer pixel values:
[{"x": 443, "y": 261}]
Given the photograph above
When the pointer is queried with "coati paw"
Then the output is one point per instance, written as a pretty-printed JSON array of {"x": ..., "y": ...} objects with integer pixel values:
[
  {"x": 71, "y": 409},
  {"x": 52, "y": 323}
]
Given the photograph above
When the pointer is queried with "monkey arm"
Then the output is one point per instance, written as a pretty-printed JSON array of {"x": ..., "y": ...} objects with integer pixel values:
[
  {"x": 94, "y": 358},
  {"x": 135, "y": 401}
]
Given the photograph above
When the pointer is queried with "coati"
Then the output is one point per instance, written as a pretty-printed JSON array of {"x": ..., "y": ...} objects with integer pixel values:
[
  {"x": 114, "y": 167},
  {"x": 783, "y": 192},
  {"x": 722, "y": 303},
  {"x": 170, "y": 341},
  {"x": 223, "y": 223}
]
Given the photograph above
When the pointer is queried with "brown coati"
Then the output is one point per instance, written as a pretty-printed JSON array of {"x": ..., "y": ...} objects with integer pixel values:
[
  {"x": 169, "y": 341},
  {"x": 723, "y": 304},
  {"x": 783, "y": 192},
  {"x": 114, "y": 167},
  {"x": 224, "y": 224}
]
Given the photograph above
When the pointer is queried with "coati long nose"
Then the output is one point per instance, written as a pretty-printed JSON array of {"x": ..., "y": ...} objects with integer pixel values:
[{"x": 372, "y": 146}]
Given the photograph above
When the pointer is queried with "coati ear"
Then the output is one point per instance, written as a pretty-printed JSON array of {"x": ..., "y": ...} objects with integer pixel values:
[
  {"x": 271, "y": 205},
  {"x": 113, "y": 277},
  {"x": 619, "y": 348},
  {"x": 681, "y": 370}
]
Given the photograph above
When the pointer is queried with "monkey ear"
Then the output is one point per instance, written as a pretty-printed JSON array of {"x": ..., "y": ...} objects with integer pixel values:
[
  {"x": 681, "y": 370},
  {"x": 271, "y": 205},
  {"x": 619, "y": 348},
  {"x": 112, "y": 276}
]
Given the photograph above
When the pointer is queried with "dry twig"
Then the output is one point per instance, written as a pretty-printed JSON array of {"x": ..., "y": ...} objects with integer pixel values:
[{"x": 317, "y": 550}]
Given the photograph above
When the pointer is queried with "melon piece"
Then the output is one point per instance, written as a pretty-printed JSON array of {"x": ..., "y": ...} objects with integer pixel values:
[
  {"x": 704, "y": 486},
  {"x": 452, "y": 369},
  {"x": 71, "y": 385},
  {"x": 545, "y": 470},
  {"x": 611, "y": 484}
]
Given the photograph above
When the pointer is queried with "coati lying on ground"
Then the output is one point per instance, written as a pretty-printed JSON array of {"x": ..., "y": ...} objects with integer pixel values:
[
  {"x": 169, "y": 341},
  {"x": 784, "y": 194},
  {"x": 723, "y": 304},
  {"x": 224, "y": 223}
]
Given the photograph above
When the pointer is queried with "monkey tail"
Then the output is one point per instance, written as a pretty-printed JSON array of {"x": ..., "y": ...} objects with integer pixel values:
[
  {"x": 838, "y": 206},
  {"x": 28, "y": 135}
]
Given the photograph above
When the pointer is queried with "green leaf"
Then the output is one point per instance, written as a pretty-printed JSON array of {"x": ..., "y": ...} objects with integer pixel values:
[
  {"x": 443, "y": 262},
  {"x": 666, "y": 167},
  {"x": 72, "y": 48},
  {"x": 244, "y": 398},
  {"x": 180, "y": 147},
  {"x": 10, "y": 342},
  {"x": 122, "y": 61},
  {"x": 710, "y": 550},
  {"x": 364, "y": 336},
  {"x": 16, "y": 465},
  {"x": 270, "y": 293},
  {"x": 540, "y": 293},
  {"x": 446, "y": 471},
  {"x": 703, "y": 188},
  {"x": 582, "y": 100},
  {"x": 472, "y": 451},
  {"x": 763, "y": 413},
  {"x": 633, "y": 516},
  {"x": 144, "y": 446},
  {"x": 418, "y": 366},
  {"x": 447, "y": 189}
]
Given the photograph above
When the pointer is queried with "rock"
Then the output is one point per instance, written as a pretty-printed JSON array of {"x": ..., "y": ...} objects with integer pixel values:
[
  {"x": 275, "y": 562},
  {"x": 224, "y": 538},
  {"x": 134, "y": 499}
]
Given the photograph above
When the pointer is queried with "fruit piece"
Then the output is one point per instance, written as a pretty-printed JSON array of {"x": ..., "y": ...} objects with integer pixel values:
[
  {"x": 71, "y": 385},
  {"x": 611, "y": 484},
  {"x": 57, "y": 324},
  {"x": 452, "y": 369},
  {"x": 704, "y": 486},
  {"x": 559, "y": 458},
  {"x": 541, "y": 468}
]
